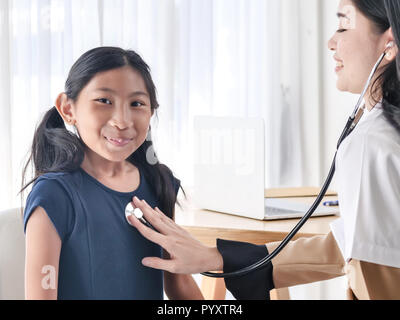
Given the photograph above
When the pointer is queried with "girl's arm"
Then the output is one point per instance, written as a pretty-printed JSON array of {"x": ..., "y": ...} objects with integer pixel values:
[
  {"x": 42, "y": 254},
  {"x": 180, "y": 286}
]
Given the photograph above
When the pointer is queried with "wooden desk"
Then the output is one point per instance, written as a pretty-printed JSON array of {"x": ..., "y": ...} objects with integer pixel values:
[{"x": 207, "y": 226}]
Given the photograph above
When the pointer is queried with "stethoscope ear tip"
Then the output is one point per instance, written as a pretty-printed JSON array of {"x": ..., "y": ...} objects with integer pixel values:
[{"x": 390, "y": 45}]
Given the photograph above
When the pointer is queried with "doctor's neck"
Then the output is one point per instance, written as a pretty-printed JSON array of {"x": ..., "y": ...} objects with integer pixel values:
[
  {"x": 372, "y": 98},
  {"x": 369, "y": 103}
]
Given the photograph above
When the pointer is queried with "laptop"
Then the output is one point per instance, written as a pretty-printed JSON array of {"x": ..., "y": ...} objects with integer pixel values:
[{"x": 229, "y": 171}]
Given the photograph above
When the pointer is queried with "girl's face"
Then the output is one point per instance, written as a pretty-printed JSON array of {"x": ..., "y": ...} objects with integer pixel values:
[
  {"x": 357, "y": 47},
  {"x": 114, "y": 105}
]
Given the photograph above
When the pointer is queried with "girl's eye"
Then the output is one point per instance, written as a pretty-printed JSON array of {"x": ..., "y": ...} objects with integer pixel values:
[
  {"x": 134, "y": 104},
  {"x": 341, "y": 30},
  {"x": 106, "y": 101}
]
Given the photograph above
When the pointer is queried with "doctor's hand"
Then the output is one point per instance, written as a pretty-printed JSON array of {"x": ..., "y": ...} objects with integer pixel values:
[{"x": 187, "y": 255}]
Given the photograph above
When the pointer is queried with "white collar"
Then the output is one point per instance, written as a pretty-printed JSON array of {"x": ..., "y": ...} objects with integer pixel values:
[{"x": 368, "y": 113}]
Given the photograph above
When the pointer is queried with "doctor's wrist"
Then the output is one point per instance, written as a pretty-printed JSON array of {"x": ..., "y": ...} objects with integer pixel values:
[{"x": 214, "y": 261}]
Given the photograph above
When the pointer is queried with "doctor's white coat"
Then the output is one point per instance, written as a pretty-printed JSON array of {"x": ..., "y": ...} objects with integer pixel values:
[{"x": 365, "y": 241}]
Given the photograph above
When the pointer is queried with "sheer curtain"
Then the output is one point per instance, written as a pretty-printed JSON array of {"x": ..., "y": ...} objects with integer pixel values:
[{"x": 210, "y": 57}]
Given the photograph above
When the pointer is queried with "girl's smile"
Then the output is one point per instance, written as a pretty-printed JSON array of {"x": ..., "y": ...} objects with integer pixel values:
[{"x": 119, "y": 142}]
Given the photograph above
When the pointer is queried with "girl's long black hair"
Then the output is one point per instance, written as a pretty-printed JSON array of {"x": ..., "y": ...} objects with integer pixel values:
[
  {"x": 385, "y": 14},
  {"x": 55, "y": 149}
]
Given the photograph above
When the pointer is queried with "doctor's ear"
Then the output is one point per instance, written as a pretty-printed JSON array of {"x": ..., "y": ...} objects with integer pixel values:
[
  {"x": 391, "y": 51},
  {"x": 391, "y": 48}
]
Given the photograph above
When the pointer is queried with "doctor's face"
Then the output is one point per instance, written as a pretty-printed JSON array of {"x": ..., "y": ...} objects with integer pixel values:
[{"x": 357, "y": 46}]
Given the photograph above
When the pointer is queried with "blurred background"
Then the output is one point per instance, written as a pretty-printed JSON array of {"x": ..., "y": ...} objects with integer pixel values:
[{"x": 247, "y": 58}]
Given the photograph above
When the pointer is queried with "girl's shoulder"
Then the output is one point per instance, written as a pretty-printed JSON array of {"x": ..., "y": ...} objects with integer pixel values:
[
  {"x": 62, "y": 177},
  {"x": 54, "y": 192},
  {"x": 62, "y": 184}
]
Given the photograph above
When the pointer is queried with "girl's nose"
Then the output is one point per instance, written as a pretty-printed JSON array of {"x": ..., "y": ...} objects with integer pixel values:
[{"x": 121, "y": 118}]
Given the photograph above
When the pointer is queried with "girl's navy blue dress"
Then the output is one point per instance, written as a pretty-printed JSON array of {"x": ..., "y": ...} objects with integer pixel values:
[{"x": 101, "y": 253}]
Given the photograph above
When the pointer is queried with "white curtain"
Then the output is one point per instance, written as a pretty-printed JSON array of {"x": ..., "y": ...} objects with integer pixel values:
[
  {"x": 208, "y": 57},
  {"x": 248, "y": 58}
]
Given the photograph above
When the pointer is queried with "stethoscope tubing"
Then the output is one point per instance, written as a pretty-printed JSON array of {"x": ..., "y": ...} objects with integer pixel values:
[{"x": 350, "y": 125}]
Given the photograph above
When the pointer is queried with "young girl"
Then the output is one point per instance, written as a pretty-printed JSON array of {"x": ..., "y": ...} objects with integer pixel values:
[
  {"x": 79, "y": 244},
  {"x": 364, "y": 243}
]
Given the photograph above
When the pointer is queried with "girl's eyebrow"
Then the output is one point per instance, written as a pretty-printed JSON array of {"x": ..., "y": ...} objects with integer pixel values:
[{"x": 135, "y": 93}]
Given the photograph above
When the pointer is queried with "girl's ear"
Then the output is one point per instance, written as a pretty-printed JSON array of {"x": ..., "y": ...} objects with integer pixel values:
[{"x": 64, "y": 108}]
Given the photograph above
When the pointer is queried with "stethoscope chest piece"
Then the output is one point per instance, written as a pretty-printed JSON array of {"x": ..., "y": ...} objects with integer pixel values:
[
  {"x": 136, "y": 212},
  {"x": 131, "y": 211}
]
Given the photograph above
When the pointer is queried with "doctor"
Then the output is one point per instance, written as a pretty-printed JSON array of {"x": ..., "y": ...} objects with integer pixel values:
[{"x": 364, "y": 243}]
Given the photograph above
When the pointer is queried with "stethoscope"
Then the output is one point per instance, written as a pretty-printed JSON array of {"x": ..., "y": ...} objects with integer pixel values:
[{"x": 350, "y": 125}]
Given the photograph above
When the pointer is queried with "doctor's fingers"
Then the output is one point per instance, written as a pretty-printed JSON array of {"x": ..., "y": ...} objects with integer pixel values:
[
  {"x": 147, "y": 232},
  {"x": 171, "y": 223},
  {"x": 160, "y": 264},
  {"x": 157, "y": 220}
]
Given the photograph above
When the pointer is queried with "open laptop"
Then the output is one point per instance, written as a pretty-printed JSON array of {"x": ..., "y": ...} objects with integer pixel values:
[{"x": 229, "y": 171}]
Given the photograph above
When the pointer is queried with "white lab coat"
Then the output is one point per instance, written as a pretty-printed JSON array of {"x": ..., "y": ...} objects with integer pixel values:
[
  {"x": 368, "y": 182},
  {"x": 364, "y": 243}
]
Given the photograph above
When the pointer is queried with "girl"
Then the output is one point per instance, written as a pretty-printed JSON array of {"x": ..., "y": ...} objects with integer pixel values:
[
  {"x": 364, "y": 242},
  {"x": 79, "y": 244}
]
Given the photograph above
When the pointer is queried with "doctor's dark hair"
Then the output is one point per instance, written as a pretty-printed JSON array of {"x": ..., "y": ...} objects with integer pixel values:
[
  {"x": 55, "y": 149},
  {"x": 385, "y": 14}
]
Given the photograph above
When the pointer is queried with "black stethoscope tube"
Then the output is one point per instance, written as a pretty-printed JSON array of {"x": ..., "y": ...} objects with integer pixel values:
[
  {"x": 351, "y": 124},
  {"x": 262, "y": 263}
]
